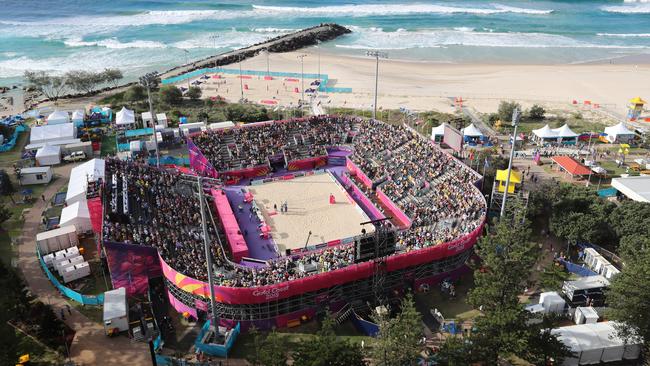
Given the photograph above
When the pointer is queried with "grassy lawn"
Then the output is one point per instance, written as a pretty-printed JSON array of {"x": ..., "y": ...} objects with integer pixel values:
[
  {"x": 293, "y": 336},
  {"x": 451, "y": 308},
  {"x": 38, "y": 354}
]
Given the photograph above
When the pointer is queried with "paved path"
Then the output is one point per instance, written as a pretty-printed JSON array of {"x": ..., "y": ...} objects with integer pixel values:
[{"x": 90, "y": 346}]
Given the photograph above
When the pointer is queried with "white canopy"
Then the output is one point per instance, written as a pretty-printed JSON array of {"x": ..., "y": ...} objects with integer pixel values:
[
  {"x": 125, "y": 117},
  {"x": 617, "y": 132},
  {"x": 58, "y": 117},
  {"x": 221, "y": 125},
  {"x": 64, "y": 131},
  {"x": 596, "y": 343},
  {"x": 78, "y": 115},
  {"x": 438, "y": 131},
  {"x": 544, "y": 133},
  {"x": 471, "y": 131},
  {"x": 79, "y": 178},
  {"x": 76, "y": 215},
  {"x": 48, "y": 155},
  {"x": 565, "y": 132},
  {"x": 553, "y": 133}
]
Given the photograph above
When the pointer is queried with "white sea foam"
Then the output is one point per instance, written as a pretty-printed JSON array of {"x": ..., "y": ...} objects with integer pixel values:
[
  {"x": 113, "y": 43},
  {"x": 630, "y": 8},
  {"x": 624, "y": 35},
  {"x": 395, "y": 9},
  {"x": 364, "y": 38}
]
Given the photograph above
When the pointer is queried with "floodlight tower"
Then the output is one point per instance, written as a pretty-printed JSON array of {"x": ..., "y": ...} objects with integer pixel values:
[
  {"x": 515, "y": 123},
  {"x": 376, "y": 55},
  {"x": 150, "y": 80},
  {"x": 302, "y": 77}
]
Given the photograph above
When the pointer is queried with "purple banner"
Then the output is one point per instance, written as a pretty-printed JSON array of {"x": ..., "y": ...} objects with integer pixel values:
[
  {"x": 354, "y": 170},
  {"x": 131, "y": 266},
  {"x": 400, "y": 216},
  {"x": 361, "y": 198}
]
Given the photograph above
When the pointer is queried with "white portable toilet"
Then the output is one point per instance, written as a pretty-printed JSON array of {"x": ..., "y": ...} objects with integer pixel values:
[
  {"x": 585, "y": 315},
  {"x": 116, "y": 311}
]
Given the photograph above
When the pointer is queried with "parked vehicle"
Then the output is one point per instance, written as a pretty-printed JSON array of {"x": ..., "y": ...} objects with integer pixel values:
[{"x": 75, "y": 156}]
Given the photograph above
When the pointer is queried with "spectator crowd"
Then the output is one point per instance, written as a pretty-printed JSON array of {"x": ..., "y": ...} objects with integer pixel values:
[{"x": 148, "y": 206}]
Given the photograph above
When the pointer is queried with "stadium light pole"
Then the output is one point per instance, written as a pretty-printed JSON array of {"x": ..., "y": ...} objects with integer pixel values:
[
  {"x": 268, "y": 64},
  {"x": 208, "y": 253},
  {"x": 187, "y": 63},
  {"x": 302, "y": 77},
  {"x": 241, "y": 82},
  {"x": 149, "y": 80},
  {"x": 515, "y": 123},
  {"x": 592, "y": 159},
  {"x": 376, "y": 55},
  {"x": 214, "y": 38}
]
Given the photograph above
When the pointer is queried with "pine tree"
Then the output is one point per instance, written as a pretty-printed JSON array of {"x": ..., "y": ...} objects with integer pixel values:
[{"x": 398, "y": 341}]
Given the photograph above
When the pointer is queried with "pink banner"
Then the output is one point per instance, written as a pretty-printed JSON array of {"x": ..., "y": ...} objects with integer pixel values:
[
  {"x": 255, "y": 295},
  {"x": 234, "y": 236},
  {"x": 362, "y": 198},
  {"x": 179, "y": 306},
  {"x": 258, "y": 171},
  {"x": 404, "y": 221},
  {"x": 355, "y": 171}
]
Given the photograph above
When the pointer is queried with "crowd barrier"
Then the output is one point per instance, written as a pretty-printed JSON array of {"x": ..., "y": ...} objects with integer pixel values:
[
  {"x": 361, "y": 198},
  {"x": 11, "y": 143},
  {"x": 67, "y": 292},
  {"x": 235, "y": 239},
  {"x": 353, "y": 272},
  {"x": 212, "y": 70},
  {"x": 577, "y": 269},
  {"x": 398, "y": 214},
  {"x": 216, "y": 349},
  {"x": 354, "y": 170}
]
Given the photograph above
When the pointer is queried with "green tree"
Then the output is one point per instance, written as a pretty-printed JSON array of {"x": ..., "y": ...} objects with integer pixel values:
[
  {"x": 6, "y": 187},
  {"x": 112, "y": 76},
  {"x": 135, "y": 93},
  {"x": 499, "y": 333},
  {"x": 273, "y": 350},
  {"x": 84, "y": 81},
  {"x": 552, "y": 277},
  {"x": 631, "y": 218},
  {"x": 505, "y": 110},
  {"x": 52, "y": 86},
  {"x": 5, "y": 214},
  {"x": 398, "y": 340},
  {"x": 541, "y": 345},
  {"x": 327, "y": 350},
  {"x": 194, "y": 93},
  {"x": 171, "y": 95},
  {"x": 455, "y": 351},
  {"x": 254, "y": 357},
  {"x": 536, "y": 112},
  {"x": 627, "y": 297}
]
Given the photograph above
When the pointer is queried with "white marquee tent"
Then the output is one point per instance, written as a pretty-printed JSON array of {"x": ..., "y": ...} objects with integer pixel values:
[
  {"x": 58, "y": 117},
  {"x": 76, "y": 215},
  {"x": 564, "y": 133},
  {"x": 48, "y": 155},
  {"x": 78, "y": 117},
  {"x": 125, "y": 117},
  {"x": 89, "y": 171},
  {"x": 618, "y": 133},
  {"x": 471, "y": 131},
  {"x": 50, "y": 133}
]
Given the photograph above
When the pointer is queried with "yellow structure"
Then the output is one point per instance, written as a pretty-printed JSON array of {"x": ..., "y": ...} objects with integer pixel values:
[
  {"x": 636, "y": 107},
  {"x": 515, "y": 178}
]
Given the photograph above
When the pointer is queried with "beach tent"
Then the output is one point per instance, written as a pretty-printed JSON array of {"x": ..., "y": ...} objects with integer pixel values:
[
  {"x": 48, "y": 155},
  {"x": 544, "y": 133},
  {"x": 162, "y": 119},
  {"x": 90, "y": 171},
  {"x": 58, "y": 117},
  {"x": 78, "y": 117},
  {"x": 618, "y": 133},
  {"x": 50, "y": 133},
  {"x": 565, "y": 133},
  {"x": 437, "y": 133},
  {"x": 76, "y": 215},
  {"x": 125, "y": 117},
  {"x": 471, "y": 131}
]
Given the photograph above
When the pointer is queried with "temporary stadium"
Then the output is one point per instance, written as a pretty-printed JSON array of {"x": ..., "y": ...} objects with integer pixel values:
[{"x": 300, "y": 216}]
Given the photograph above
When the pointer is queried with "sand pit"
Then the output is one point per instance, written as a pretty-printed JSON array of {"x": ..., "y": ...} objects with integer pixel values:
[{"x": 308, "y": 209}]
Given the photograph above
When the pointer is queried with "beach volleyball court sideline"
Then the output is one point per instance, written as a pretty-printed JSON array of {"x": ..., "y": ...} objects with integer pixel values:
[{"x": 309, "y": 209}]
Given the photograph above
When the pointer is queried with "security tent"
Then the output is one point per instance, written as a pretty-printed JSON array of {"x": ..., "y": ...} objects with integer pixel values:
[
  {"x": 52, "y": 133},
  {"x": 89, "y": 171},
  {"x": 48, "y": 155},
  {"x": 125, "y": 117},
  {"x": 76, "y": 215}
]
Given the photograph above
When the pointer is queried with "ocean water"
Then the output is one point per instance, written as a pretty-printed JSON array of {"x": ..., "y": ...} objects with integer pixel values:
[{"x": 143, "y": 35}]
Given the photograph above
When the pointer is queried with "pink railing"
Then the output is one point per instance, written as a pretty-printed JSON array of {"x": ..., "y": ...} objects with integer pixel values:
[{"x": 235, "y": 239}]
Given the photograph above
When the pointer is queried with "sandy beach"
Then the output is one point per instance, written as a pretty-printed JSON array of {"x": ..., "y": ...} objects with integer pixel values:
[{"x": 424, "y": 86}]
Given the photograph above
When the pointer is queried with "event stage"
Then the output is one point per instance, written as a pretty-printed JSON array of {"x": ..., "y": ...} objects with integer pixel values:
[{"x": 309, "y": 209}]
